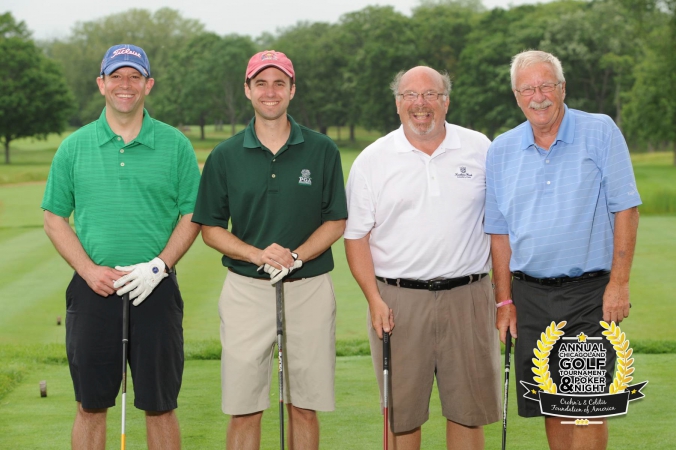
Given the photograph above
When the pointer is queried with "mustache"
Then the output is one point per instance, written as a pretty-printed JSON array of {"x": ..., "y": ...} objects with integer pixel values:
[{"x": 541, "y": 105}]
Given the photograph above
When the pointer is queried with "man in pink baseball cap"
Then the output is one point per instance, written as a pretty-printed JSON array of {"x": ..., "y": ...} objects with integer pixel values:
[{"x": 280, "y": 187}]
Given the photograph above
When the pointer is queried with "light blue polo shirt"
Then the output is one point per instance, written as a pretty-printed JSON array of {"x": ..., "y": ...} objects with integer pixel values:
[{"x": 558, "y": 206}]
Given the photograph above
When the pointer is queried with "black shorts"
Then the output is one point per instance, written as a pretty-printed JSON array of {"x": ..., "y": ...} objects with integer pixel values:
[
  {"x": 94, "y": 346},
  {"x": 580, "y": 304}
]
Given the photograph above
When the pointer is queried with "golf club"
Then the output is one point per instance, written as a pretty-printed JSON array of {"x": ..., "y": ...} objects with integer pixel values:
[
  {"x": 508, "y": 349},
  {"x": 279, "y": 291},
  {"x": 125, "y": 343},
  {"x": 386, "y": 384}
]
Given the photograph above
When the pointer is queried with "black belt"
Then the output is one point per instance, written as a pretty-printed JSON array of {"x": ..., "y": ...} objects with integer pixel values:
[
  {"x": 432, "y": 285},
  {"x": 558, "y": 281}
]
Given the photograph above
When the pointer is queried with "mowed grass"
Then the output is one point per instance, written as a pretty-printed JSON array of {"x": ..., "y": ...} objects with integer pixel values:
[
  {"x": 30, "y": 422},
  {"x": 33, "y": 278}
]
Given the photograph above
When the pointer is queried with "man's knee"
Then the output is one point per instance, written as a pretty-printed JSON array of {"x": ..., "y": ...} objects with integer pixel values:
[
  {"x": 307, "y": 415},
  {"x": 91, "y": 413}
]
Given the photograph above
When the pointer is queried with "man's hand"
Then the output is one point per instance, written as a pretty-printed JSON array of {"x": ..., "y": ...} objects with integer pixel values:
[
  {"x": 142, "y": 278},
  {"x": 616, "y": 302},
  {"x": 101, "y": 279},
  {"x": 276, "y": 274},
  {"x": 505, "y": 319},
  {"x": 382, "y": 317}
]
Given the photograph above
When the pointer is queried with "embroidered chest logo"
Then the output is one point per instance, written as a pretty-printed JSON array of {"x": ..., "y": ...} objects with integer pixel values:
[
  {"x": 462, "y": 173},
  {"x": 305, "y": 179}
]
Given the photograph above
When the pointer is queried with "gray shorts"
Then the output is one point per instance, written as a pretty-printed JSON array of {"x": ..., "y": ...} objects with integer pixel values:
[
  {"x": 450, "y": 334},
  {"x": 249, "y": 334}
]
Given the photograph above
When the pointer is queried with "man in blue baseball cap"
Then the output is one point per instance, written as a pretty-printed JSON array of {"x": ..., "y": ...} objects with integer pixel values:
[{"x": 131, "y": 182}]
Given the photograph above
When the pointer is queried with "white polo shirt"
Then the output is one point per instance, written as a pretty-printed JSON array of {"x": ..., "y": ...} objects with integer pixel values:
[{"x": 425, "y": 213}]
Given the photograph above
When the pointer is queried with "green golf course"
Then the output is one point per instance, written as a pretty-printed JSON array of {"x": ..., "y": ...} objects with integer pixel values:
[{"x": 33, "y": 279}]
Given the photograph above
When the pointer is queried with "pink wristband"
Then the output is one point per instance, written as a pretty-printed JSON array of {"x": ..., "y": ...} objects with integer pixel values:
[{"x": 506, "y": 302}]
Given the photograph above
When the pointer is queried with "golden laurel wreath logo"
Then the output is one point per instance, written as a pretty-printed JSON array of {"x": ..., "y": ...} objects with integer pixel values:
[
  {"x": 624, "y": 360},
  {"x": 544, "y": 346},
  {"x": 553, "y": 333}
]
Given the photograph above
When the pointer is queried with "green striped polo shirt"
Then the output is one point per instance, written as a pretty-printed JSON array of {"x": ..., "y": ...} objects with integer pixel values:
[
  {"x": 127, "y": 198},
  {"x": 273, "y": 198}
]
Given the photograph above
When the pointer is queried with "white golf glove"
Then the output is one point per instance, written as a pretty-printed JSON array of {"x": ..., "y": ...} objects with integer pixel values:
[
  {"x": 142, "y": 279},
  {"x": 279, "y": 274}
]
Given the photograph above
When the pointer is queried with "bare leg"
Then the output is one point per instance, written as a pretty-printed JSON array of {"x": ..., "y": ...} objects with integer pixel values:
[
  {"x": 244, "y": 432},
  {"x": 163, "y": 430},
  {"x": 460, "y": 437},
  {"x": 409, "y": 440},
  {"x": 303, "y": 429},
  {"x": 574, "y": 437},
  {"x": 89, "y": 429}
]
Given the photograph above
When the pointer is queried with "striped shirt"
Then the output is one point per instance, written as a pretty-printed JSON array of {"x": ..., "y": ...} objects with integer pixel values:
[
  {"x": 558, "y": 206},
  {"x": 127, "y": 198}
]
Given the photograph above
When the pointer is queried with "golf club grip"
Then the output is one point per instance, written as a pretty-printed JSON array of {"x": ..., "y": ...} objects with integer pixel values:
[
  {"x": 508, "y": 349},
  {"x": 386, "y": 351},
  {"x": 279, "y": 294}
]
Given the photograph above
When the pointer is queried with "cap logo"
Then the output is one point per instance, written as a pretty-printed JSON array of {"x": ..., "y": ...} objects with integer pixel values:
[
  {"x": 268, "y": 56},
  {"x": 125, "y": 51}
]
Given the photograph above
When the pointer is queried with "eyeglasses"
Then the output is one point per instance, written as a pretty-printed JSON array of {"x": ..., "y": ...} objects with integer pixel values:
[
  {"x": 428, "y": 96},
  {"x": 544, "y": 88}
]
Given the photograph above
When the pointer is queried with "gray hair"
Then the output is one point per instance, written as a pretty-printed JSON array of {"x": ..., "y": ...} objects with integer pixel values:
[
  {"x": 531, "y": 57},
  {"x": 445, "y": 79}
]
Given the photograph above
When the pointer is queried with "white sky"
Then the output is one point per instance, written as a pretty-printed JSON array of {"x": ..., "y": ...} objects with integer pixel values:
[{"x": 48, "y": 19}]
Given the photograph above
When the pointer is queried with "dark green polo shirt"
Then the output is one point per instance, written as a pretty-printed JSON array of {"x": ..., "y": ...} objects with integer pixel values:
[
  {"x": 281, "y": 198},
  {"x": 127, "y": 198}
]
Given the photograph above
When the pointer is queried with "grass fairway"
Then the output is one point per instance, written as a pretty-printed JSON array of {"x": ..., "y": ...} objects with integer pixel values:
[
  {"x": 33, "y": 278},
  {"x": 30, "y": 422}
]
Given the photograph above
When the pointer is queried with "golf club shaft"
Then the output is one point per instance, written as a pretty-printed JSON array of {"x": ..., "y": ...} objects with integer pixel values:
[
  {"x": 279, "y": 291},
  {"x": 125, "y": 344},
  {"x": 508, "y": 349},
  {"x": 386, "y": 384}
]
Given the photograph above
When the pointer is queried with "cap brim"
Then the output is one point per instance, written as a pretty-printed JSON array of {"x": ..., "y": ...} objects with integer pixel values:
[{"x": 113, "y": 67}]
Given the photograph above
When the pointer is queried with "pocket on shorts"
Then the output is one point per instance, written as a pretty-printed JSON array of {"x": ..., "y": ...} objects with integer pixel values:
[{"x": 483, "y": 307}]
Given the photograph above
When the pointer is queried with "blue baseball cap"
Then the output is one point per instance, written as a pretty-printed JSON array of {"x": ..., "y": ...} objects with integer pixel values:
[{"x": 125, "y": 55}]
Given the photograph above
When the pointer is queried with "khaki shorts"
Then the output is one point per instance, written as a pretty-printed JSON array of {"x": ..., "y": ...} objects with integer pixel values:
[
  {"x": 249, "y": 335},
  {"x": 451, "y": 333}
]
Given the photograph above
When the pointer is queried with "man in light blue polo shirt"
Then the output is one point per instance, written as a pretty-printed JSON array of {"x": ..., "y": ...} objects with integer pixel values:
[{"x": 561, "y": 206}]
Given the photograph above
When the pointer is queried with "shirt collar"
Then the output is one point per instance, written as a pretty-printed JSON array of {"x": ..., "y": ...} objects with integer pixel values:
[
  {"x": 252, "y": 141},
  {"x": 451, "y": 140},
  {"x": 145, "y": 137},
  {"x": 566, "y": 131}
]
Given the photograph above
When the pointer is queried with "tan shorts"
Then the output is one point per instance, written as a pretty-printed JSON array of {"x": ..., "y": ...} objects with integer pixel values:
[
  {"x": 451, "y": 333},
  {"x": 249, "y": 335}
]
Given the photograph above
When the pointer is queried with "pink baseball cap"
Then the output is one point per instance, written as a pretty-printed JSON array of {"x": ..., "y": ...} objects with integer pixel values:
[{"x": 269, "y": 58}]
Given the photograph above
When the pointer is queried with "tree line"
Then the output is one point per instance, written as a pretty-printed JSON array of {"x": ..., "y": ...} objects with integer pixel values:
[{"x": 618, "y": 57}]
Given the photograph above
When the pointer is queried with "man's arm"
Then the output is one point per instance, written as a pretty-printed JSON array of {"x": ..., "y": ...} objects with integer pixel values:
[
  {"x": 321, "y": 239},
  {"x": 616, "y": 295},
  {"x": 360, "y": 261},
  {"x": 233, "y": 247},
  {"x": 501, "y": 252},
  {"x": 180, "y": 241},
  {"x": 99, "y": 278}
]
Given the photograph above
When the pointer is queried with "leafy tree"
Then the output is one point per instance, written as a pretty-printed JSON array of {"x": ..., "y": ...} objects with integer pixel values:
[
  {"x": 160, "y": 34},
  {"x": 206, "y": 81},
  {"x": 380, "y": 42},
  {"x": 317, "y": 59},
  {"x": 597, "y": 54},
  {"x": 34, "y": 97},
  {"x": 483, "y": 97}
]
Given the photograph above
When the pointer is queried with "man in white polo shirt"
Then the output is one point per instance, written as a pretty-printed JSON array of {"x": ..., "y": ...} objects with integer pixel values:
[{"x": 415, "y": 244}]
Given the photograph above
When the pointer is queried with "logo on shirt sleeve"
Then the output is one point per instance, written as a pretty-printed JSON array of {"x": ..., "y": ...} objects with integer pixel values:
[
  {"x": 462, "y": 172},
  {"x": 305, "y": 179}
]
